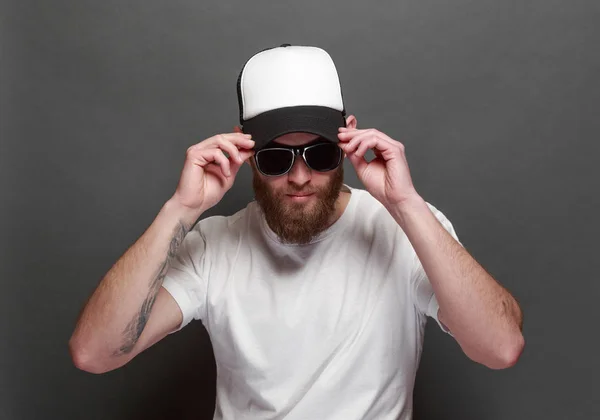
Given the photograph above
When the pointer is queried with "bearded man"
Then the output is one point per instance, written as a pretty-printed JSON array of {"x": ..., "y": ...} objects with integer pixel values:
[{"x": 315, "y": 295}]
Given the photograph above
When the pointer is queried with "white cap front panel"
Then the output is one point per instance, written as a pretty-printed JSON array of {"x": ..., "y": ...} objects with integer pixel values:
[{"x": 289, "y": 76}]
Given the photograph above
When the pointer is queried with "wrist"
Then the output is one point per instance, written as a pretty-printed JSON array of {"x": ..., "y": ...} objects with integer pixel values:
[
  {"x": 187, "y": 215},
  {"x": 405, "y": 210}
]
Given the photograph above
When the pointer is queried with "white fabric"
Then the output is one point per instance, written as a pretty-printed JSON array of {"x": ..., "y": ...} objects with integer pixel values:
[
  {"x": 329, "y": 330},
  {"x": 289, "y": 76}
]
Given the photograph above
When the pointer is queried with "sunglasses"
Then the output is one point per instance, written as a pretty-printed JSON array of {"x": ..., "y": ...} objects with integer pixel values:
[{"x": 322, "y": 156}]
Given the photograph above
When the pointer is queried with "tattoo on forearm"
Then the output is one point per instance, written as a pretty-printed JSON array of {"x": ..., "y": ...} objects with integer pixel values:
[{"x": 134, "y": 328}]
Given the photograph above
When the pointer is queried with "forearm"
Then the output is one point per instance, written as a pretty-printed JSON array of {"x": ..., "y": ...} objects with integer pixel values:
[
  {"x": 116, "y": 313},
  {"x": 482, "y": 315}
]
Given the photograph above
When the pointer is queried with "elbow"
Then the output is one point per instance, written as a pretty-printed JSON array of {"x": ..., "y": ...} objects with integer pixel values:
[
  {"x": 86, "y": 360},
  {"x": 509, "y": 354}
]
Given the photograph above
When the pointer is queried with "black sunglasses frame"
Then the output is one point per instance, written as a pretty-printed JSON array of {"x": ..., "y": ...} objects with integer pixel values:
[{"x": 297, "y": 151}]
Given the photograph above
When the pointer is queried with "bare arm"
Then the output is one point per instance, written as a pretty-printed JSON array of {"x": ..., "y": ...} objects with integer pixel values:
[
  {"x": 482, "y": 315},
  {"x": 115, "y": 324},
  {"x": 129, "y": 310}
]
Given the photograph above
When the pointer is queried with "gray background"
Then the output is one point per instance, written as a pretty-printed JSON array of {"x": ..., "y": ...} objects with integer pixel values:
[{"x": 496, "y": 102}]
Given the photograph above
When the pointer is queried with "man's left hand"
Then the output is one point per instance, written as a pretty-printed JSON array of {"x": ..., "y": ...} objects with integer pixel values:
[{"x": 387, "y": 176}]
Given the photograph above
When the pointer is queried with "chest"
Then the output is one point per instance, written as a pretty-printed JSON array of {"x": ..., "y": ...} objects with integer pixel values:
[{"x": 275, "y": 315}]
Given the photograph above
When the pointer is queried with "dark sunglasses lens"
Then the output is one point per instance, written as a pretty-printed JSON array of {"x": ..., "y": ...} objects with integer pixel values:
[
  {"x": 274, "y": 161},
  {"x": 323, "y": 157}
]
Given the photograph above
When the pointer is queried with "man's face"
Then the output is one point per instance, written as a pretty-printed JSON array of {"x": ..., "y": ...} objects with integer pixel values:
[{"x": 299, "y": 204}]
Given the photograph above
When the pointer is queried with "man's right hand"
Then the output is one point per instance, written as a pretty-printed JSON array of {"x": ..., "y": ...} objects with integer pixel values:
[{"x": 208, "y": 174}]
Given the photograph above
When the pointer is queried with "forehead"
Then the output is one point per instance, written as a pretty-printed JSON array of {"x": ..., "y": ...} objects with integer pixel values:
[{"x": 296, "y": 139}]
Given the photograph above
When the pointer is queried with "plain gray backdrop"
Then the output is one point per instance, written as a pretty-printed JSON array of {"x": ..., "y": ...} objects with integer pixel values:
[{"x": 497, "y": 104}]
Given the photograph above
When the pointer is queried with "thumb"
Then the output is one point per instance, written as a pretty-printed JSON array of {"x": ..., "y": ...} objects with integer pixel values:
[
  {"x": 358, "y": 162},
  {"x": 245, "y": 154}
]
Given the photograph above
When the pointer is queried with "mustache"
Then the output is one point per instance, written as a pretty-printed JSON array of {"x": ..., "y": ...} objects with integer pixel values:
[{"x": 296, "y": 191}]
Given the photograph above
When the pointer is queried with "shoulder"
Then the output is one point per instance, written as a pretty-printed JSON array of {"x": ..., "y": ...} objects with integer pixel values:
[
  {"x": 222, "y": 226},
  {"x": 370, "y": 212},
  {"x": 370, "y": 221}
]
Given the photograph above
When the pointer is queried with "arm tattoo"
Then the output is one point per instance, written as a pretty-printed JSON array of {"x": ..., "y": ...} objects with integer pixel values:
[{"x": 134, "y": 328}]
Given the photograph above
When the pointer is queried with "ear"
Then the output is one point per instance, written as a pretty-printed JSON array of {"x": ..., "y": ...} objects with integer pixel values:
[
  {"x": 251, "y": 163},
  {"x": 351, "y": 121}
]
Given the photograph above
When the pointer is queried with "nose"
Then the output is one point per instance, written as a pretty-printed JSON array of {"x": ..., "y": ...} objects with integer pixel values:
[{"x": 300, "y": 174}]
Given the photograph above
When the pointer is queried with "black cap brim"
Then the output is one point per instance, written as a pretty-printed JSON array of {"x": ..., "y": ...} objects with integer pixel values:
[{"x": 319, "y": 120}]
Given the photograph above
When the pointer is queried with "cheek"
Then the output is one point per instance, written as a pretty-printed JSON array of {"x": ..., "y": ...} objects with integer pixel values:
[
  {"x": 322, "y": 180},
  {"x": 276, "y": 184}
]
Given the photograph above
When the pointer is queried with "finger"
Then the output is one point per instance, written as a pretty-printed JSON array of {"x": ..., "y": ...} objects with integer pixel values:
[
  {"x": 353, "y": 144},
  {"x": 224, "y": 163},
  {"x": 369, "y": 143},
  {"x": 385, "y": 137},
  {"x": 386, "y": 149},
  {"x": 343, "y": 139},
  {"x": 348, "y": 134},
  {"x": 358, "y": 162},
  {"x": 245, "y": 154},
  {"x": 216, "y": 156},
  {"x": 352, "y": 131},
  {"x": 238, "y": 139},
  {"x": 231, "y": 149}
]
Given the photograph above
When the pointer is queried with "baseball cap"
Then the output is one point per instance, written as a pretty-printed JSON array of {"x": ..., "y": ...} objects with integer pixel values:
[{"x": 290, "y": 88}]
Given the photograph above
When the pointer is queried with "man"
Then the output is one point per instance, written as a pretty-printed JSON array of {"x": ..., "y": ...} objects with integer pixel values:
[{"x": 316, "y": 295}]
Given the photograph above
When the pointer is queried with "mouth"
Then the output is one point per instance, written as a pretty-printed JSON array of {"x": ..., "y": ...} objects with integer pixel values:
[{"x": 300, "y": 196}]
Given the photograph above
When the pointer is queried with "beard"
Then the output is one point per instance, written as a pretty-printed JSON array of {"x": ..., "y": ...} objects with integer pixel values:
[{"x": 298, "y": 223}]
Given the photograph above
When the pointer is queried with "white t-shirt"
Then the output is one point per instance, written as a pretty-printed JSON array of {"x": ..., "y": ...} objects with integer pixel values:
[{"x": 329, "y": 330}]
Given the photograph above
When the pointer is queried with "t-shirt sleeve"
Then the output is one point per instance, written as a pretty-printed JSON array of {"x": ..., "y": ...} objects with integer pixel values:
[
  {"x": 424, "y": 297},
  {"x": 187, "y": 275}
]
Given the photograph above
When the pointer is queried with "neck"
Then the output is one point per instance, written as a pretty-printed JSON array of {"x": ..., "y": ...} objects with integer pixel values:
[{"x": 340, "y": 205}]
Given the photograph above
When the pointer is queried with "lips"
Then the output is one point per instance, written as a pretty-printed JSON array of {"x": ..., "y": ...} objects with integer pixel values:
[{"x": 300, "y": 194}]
